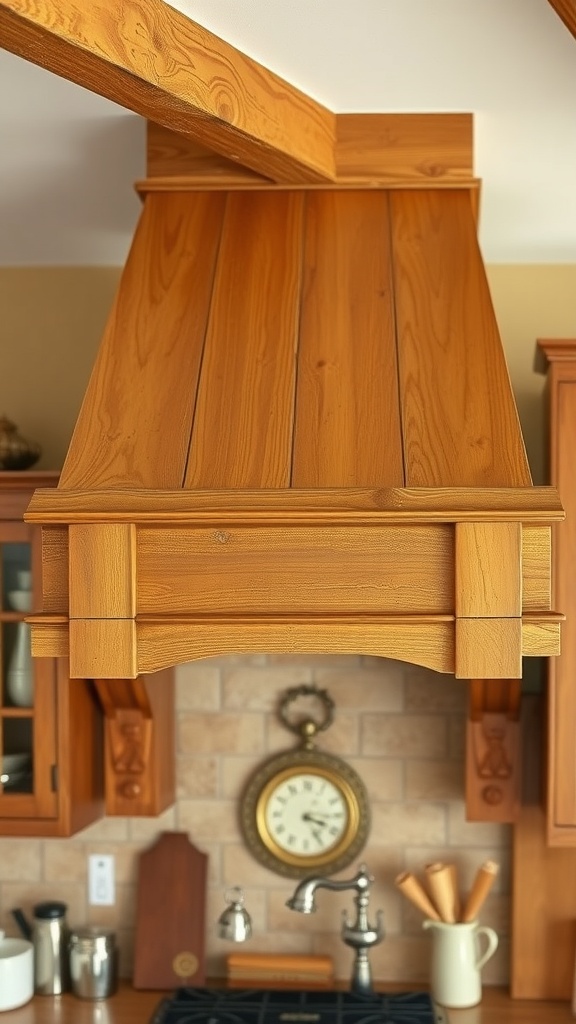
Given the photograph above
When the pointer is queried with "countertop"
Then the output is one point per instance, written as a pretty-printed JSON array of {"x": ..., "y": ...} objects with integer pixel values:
[{"x": 129, "y": 1006}]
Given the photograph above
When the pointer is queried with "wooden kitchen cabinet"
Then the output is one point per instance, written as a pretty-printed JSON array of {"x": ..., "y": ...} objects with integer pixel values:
[
  {"x": 561, "y": 782},
  {"x": 50, "y": 726}
]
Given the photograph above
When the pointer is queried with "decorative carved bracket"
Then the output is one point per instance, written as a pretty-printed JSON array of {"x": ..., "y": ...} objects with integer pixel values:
[
  {"x": 130, "y": 738},
  {"x": 493, "y": 770},
  {"x": 139, "y": 743}
]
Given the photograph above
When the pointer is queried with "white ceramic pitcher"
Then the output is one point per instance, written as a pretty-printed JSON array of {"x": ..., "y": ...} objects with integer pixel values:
[{"x": 457, "y": 959}]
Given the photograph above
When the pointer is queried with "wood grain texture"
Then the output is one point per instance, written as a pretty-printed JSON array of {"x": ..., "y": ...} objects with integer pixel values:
[
  {"x": 488, "y": 569},
  {"x": 494, "y": 696},
  {"x": 562, "y": 706},
  {"x": 276, "y": 570},
  {"x": 561, "y": 796},
  {"x": 242, "y": 433},
  {"x": 102, "y": 571},
  {"x": 161, "y": 690},
  {"x": 295, "y": 359},
  {"x": 103, "y": 648},
  {"x": 543, "y": 927},
  {"x": 150, "y": 58},
  {"x": 540, "y": 637},
  {"x": 80, "y": 743},
  {"x": 566, "y": 10},
  {"x": 50, "y": 639},
  {"x": 169, "y": 153},
  {"x": 421, "y": 148},
  {"x": 171, "y": 901},
  {"x": 347, "y": 426},
  {"x": 493, "y": 752},
  {"x": 488, "y": 648},
  {"x": 65, "y": 719},
  {"x": 193, "y": 183},
  {"x": 543, "y": 922},
  {"x": 459, "y": 420},
  {"x": 126, "y": 694},
  {"x": 543, "y": 912},
  {"x": 395, "y": 504},
  {"x": 151, "y": 352},
  {"x": 384, "y": 149},
  {"x": 430, "y": 644},
  {"x": 55, "y": 579},
  {"x": 138, "y": 785},
  {"x": 536, "y": 567},
  {"x": 492, "y": 796}
]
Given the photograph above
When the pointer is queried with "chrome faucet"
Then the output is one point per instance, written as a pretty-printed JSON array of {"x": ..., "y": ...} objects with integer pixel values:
[{"x": 360, "y": 935}]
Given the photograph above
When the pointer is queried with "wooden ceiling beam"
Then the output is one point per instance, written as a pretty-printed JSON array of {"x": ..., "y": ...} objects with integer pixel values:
[
  {"x": 566, "y": 10},
  {"x": 150, "y": 58},
  {"x": 431, "y": 150}
]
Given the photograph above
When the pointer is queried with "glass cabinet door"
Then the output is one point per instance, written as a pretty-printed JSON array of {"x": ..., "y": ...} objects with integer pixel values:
[{"x": 27, "y": 685}]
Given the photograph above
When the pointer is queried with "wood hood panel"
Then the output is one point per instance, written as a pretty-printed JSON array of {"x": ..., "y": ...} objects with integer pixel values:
[{"x": 299, "y": 434}]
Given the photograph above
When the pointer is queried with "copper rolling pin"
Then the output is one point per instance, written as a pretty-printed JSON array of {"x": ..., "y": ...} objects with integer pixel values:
[
  {"x": 410, "y": 886},
  {"x": 485, "y": 878}
]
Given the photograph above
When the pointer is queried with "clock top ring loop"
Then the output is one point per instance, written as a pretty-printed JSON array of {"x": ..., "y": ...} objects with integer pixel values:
[{"x": 307, "y": 727}]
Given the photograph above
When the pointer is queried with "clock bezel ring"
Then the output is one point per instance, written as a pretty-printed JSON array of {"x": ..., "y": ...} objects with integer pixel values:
[{"x": 253, "y": 813}]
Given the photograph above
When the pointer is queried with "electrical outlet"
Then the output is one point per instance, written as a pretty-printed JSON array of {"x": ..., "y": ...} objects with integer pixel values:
[{"x": 101, "y": 886}]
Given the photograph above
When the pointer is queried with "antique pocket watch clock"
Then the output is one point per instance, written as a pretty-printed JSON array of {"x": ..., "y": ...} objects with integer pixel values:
[{"x": 305, "y": 810}]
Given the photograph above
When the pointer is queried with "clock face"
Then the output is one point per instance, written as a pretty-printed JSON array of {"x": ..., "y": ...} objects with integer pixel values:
[
  {"x": 306, "y": 814},
  {"x": 305, "y": 810}
]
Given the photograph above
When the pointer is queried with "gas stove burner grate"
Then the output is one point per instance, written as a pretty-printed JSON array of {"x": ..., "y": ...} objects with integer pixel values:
[{"x": 252, "y": 1006}]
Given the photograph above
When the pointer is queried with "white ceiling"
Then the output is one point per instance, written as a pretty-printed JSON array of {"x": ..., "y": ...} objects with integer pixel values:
[{"x": 68, "y": 158}]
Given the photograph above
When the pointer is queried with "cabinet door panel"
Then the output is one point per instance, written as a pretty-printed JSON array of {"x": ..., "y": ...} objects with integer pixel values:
[{"x": 27, "y": 691}]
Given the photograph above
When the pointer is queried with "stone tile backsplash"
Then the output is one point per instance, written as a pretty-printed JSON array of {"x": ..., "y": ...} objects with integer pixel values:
[{"x": 401, "y": 728}]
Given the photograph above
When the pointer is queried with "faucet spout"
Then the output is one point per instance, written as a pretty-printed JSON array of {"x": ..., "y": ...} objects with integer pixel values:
[
  {"x": 360, "y": 935},
  {"x": 303, "y": 898}
]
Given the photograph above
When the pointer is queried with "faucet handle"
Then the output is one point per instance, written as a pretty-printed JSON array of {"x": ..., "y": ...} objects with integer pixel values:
[
  {"x": 363, "y": 877},
  {"x": 362, "y": 935}
]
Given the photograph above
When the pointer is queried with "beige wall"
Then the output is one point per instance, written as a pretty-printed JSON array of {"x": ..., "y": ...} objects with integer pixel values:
[
  {"x": 51, "y": 322},
  {"x": 400, "y": 726},
  {"x": 532, "y": 302}
]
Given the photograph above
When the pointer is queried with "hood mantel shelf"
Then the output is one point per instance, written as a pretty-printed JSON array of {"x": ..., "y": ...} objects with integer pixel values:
[{"x": 311, "y": 445}]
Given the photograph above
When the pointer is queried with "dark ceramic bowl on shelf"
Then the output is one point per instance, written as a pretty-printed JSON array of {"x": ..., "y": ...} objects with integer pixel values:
[{"x": 15, "y": 451}]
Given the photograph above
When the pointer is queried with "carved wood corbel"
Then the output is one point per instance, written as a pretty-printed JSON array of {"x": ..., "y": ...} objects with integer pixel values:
[
  {"x": 493, "y": 769},
  {"x": 138, "y": 743}
]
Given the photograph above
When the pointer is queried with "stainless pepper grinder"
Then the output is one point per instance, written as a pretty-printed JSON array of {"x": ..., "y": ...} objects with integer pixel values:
[{"x": 49, "y": 936}]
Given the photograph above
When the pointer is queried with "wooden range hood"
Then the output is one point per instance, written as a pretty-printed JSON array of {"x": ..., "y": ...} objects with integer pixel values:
[{"x": 299, "y": 436}]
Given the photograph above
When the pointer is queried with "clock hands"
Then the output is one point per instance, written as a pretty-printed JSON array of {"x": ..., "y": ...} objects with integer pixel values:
[{"x": 315, "y": 820}]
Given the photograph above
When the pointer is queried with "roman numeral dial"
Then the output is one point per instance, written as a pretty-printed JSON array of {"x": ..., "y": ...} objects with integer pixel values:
[
  {"x": 307, "y": 814},
  {"x": 305, "y": 810}
]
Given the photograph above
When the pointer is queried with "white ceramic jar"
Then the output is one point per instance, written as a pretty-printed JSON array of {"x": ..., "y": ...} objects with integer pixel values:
[{"x": 16, "y": 972}]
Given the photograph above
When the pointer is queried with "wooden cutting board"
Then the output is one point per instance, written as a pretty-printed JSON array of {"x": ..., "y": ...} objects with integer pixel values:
[{"x": 170, "y": 914}]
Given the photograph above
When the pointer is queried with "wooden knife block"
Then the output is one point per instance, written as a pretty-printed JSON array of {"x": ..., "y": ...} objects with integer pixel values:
[{"x": 170, "y": 915}]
